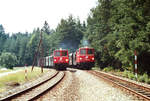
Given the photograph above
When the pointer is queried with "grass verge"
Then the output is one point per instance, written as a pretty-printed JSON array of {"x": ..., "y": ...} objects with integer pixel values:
[
  {"x": 5, "y": 70},
  {"x": 128, "y": 74},
  {"x": 95, "y": 68},
  {"x": 18, "y": 78}
]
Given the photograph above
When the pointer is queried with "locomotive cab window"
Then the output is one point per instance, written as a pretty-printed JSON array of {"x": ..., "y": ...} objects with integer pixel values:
[
  {"x": 57, "y": 53},
  {"x": 82, "y": 51},
  {"x": 90, "y": 51},
  {"x": 64, "y": 53}
]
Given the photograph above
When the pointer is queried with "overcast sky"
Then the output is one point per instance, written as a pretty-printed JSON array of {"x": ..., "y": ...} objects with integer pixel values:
[{"x": 25, "y": 15}]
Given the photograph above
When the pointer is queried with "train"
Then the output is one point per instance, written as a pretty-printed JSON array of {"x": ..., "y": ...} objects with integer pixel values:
[
  {"x": 61, "y": 59},
  {"x": 58, "y": 60},
  {"x": 83, "y": 58}
]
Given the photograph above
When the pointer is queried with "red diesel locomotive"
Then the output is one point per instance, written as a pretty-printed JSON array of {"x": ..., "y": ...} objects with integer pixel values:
[
  {"x": 61, "y": 59},
  {"x": 83, "y": 58}
]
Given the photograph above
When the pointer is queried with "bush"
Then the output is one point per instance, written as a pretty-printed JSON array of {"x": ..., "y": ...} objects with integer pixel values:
[
  {"x": 117, "y": 70},
  {"x": 144, "y": 78},
  {"x": 8, "y": 60},
  {"x": 131, "y": 76},
  {"x": 95, "y": 68},
  {"x": 107, "y": 69},
  {"x": 141, "y": 79},
  {"x": 147, "y": 80},
  {"x": 125, "y": 73}
]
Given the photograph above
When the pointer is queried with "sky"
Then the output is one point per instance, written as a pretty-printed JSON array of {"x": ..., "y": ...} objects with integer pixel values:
[{"x": 25, "y": 15}]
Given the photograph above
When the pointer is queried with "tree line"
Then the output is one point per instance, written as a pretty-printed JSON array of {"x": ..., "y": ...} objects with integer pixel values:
[
  {"x": 115, "y": 28},
  {"x": 20, "y": 48}
]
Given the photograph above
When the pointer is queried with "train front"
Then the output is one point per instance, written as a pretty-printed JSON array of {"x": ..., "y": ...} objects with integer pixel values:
[
  {"x": 85, "y": 57},
  {"x": 61, "y": 59}
]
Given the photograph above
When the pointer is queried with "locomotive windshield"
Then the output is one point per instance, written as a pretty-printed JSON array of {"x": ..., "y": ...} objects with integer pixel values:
[
  {"x": 64, "y": 53},
  {"x": 86, "y": 51},
  {"x": 57, "y": 53},
  {"x": 90, "y": 51},
  {"x": 83, "y": 51},
  {"x": 60, "y": 53}
]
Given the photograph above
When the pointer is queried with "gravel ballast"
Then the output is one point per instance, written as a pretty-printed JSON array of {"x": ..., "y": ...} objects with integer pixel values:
[
  {"x": 79, "y": 85},
  {"x": 82, "y": 86},
  {"x": 94, "y": 89},
  {"x": 66, "y": 90},
  {"x": 28, "y": 84}
]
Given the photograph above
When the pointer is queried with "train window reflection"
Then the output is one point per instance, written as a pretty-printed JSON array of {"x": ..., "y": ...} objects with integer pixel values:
[
  {"x": 90, "y": 51},
  {"x": 82, "y": 51},
  {"x": 57, "y": 53},
  {"x": 64, "y": 53}
]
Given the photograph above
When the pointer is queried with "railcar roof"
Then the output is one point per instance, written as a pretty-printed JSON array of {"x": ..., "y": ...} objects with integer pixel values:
[
  {"x": 61, "y": 50},
  {"x": 86, "y": 48},
  {"x": 49, "y": 56}
]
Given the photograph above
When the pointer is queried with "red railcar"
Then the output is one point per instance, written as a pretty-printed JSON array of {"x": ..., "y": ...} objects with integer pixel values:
[
  {"x": 84, "y": 58},
  {"x": 61, "y": 59}
]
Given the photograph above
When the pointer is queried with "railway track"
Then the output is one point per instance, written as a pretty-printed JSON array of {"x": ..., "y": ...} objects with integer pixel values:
[
  {"x": 140, "y": 91},
  {"x": 35, "y": 91}
]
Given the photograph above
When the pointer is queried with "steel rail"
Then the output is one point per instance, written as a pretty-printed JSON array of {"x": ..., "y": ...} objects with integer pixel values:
[
  {"x": 138, "y": 85},
  {"x": 14, "y": 95},
  {"x": 128, "y": 88},
  {"x": 50, "y": 87}
]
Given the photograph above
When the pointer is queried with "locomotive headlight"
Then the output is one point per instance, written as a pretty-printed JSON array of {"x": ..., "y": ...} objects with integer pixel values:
[
  {"x": 92, "y": 58},
  {"x": 80, "y": 58},
  {"x": 67, "y": 60},
  {"x": 55, "y": 60}
]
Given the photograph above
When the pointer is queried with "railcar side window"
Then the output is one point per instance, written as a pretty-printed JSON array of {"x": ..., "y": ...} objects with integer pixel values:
[
  {"x": 57, "y": 53},
  {"x": 64, "y": 53},
  {"x": 90, "y": 51},
  {"x": 82, "y": 51}
]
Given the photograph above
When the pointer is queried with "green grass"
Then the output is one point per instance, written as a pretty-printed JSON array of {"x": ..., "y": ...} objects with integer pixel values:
[
  {"x": 8, "y": 70},
  {"x": 128, "y": 74},
  {"x": 95, "y": 68},
  {"x": 19, "y": 77},
  {"x": 108, "y": 69},
  {"x": 141, "y": 78},
  {"x": 144, "y": 78}
]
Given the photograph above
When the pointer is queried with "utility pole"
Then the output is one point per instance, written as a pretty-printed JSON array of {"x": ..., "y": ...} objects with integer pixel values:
[
  {"x": 38, "y": 49},
  {"x": 42, "y": 52}
]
